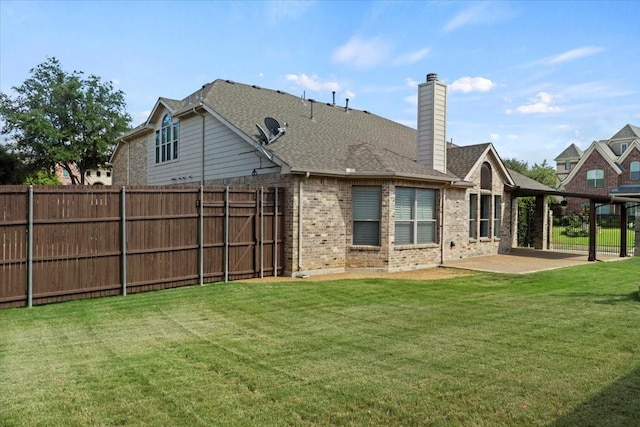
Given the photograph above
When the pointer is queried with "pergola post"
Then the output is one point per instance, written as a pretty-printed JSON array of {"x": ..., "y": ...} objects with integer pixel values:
[
  {"x": 540, "y": 240},
  {"x": 623, "y": 230},
  {"x": 592, "y": 230}
]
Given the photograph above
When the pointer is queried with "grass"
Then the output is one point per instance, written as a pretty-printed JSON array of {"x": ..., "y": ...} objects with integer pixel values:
[
  {"x": 606, "y": 238},
  {"x": 553, "y": 348}
]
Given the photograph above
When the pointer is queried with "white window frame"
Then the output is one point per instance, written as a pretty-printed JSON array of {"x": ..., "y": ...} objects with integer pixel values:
[
  {"x": 634, "y": 171},
  {"x": 595, "y": 178},
  {"x": 166, "y": 140}
]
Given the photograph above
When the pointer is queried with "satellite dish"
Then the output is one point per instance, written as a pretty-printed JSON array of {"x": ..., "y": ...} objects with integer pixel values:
[
  {"x": 273, "y": 125},
  {"x": 264, "y": 139}
]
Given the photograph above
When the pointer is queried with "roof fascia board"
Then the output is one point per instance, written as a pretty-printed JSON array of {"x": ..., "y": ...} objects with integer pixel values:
[
  {"x": 585, "y": 156},
  {"x": 635, "y": 143},
  {"x": 396, "y": 175},
  {"x": 490, "y": 149},
  {"x": 159, "y": 103}
]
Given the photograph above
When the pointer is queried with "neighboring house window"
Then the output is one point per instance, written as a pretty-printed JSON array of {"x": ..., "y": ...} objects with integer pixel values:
[
  {"x": 485, "y": 214},
  {"x": 567, "y": 165},
  {"x": 635, "y": 170},
  {"x": 595, "y": 178},
  {"x": 497, "y": 214},
  {"x": 98, "y": 173},
  {"x": 65, "y": 173},
  {"x": 366, "y": 215},
  {"x": 415, "y": 216},
  {"x": 167, "y": 140},
  {"x": 473, "y": 216},
  {"x": 108, "y": 173},
  {"x": 623, "y": 147},
  {"x": 485, "y": 176}
]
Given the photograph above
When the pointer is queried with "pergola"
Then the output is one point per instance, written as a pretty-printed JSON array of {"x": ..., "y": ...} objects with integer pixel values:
[{"x": 541, "y": 206}]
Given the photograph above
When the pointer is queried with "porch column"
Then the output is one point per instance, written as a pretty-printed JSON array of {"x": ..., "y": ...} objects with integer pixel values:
[
  {"x": 593, "y": 229},
  {"x": 540, "y": 240},
  {"x": 623, "y": 230}
]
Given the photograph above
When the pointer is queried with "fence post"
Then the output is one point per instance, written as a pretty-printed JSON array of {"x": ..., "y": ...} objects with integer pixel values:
[
  {"x": 201, "y": 237},
  {"x": 123, "y": 240},
  {"x": 275, "y": 234},
  {"x": 261, "y": 232},
  {"x": 30, "y": 249},
  {"x": 226, "y": 234}
]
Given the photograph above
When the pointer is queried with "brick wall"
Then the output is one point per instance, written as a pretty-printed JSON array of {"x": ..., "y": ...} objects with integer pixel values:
[{"x": 130, "y": 162}]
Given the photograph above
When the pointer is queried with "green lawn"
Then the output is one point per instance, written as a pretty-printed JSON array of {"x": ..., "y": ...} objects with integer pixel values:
[
  {"x": 553, "y": 348},
  {"x": 606, "y": 237}
]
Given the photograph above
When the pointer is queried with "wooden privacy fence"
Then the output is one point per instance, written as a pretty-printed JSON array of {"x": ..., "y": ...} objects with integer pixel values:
[{"x": 64, "y": 243}]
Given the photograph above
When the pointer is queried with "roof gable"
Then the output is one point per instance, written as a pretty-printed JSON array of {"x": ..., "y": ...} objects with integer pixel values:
[
  {"x": 162, "y": 105},
  {"x": 571, "y": 152},
  {"x": 634, "y": 145},
  {"x": 463, "y": 161},
  {"x": 628, "y": 131},
  {"x": 599, "y": 147}
]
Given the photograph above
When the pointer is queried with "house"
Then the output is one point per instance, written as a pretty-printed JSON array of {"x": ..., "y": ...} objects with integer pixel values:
[
  {"x": 608, "y": 167},
  {"x": 362, "y": 191},
  {"x": 101, "y": 176}
]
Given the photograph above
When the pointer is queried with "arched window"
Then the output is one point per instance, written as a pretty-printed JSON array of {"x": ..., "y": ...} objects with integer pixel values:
[
  {"x": 485, "y": 176},
  {"x": 167, "y": 140}
]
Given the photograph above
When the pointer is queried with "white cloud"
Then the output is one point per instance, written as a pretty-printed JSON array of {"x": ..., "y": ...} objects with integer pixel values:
[
  {"x": 512, "y": 137},
  {"x": 412, "y": 57},
  {"x": 539, "y": 104},
  {"x": 349, "y": 94},
  {"x": 412, "y": 100},
  {"x": 410, "y": 82},
  {"x": 280, "y": 11},
  {"x": 313, "y": 82},
  {"x": 472, "y": 84},
  {"x": 480, "y": 13},
  {"x": 494, "y": 136},
  {"x": 568, "y": 56},
  {"x": 361, "y": 53},
  {"x": 115, "y": 82},
  {"x": 574, "y": 54}
]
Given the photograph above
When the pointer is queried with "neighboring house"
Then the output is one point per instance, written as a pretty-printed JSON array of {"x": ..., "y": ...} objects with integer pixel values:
[
  {"x": 607, "y": 167},
  {"x": 361, "y": 191},
  {"x": 100, "y": 176},
  {"x": 566, "y": 162}
]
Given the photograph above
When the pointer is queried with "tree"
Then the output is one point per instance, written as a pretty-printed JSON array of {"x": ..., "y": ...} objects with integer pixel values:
[
  {"x": 60, "y": 118},
  {"x": 11, "y": 168}
]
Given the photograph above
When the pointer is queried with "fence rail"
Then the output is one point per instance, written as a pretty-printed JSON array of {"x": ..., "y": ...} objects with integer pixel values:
[{"x": 63, "y": 243}]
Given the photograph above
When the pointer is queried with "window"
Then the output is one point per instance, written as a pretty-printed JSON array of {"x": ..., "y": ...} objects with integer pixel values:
[
  {"x": 485, "y": 176},
  {"x": 595, "y": 178},
  {"x": 167, "y": 140},
  {"x": 108, "y": 173},
  {"x": 623, "y": 147},
  {"x": 567, "y": 165},
  {"x": 65, "y": 173},
  {"x": 634, "y": 170},
  {"x": 98, "y": 173},
  {"x": 365, "y": 202},
  {"x": 415, "y": 221},
  {"x": 485, "y": 214},
  {"x": 497, "y": 215},
  {"x": 473, "y": 216}
]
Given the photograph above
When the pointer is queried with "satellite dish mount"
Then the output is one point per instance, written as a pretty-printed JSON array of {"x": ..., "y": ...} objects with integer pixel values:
[{"x": 274, "y": 129}]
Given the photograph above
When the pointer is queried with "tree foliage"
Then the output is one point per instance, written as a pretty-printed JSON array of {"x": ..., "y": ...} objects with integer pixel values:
[
  {"x": 543, "y": 173},
  {"x": 60, "y": 118},
  {"x": 11, "y": 168}
]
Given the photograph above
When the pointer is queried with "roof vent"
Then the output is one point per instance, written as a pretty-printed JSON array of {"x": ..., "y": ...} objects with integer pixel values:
[{"x": 432, "y": 77}]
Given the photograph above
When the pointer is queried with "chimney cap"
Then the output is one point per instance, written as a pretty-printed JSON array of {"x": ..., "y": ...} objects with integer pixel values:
[{"x": 432, "y": 77}]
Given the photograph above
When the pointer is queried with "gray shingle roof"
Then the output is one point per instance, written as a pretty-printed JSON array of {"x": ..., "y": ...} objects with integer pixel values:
[
  {"x": 333, "y": 141},
  {"x": 460, "y": 160},
  {"x": 571, "y": 152},
  {"x": 628, "y": 131},
  {"x": 524, "y": 182}
]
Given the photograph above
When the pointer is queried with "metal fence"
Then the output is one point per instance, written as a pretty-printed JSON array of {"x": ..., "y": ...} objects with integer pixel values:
[{"x": 64, "y": 243}]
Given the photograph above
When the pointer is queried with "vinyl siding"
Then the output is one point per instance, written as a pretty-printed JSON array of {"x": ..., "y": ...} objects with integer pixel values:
[{"x": 227, "y": 155}]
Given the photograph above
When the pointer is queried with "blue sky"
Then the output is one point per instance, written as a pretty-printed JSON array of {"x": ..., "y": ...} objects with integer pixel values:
[{"x": 531, "y": 77}]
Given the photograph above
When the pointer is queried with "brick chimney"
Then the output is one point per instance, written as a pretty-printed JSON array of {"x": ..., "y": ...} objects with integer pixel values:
[{"x": 432, "y": 123}]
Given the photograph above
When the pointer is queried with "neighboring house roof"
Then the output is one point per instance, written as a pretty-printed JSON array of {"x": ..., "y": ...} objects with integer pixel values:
[
  {"x": 526, "y": 183},
  {"x": 628, "y": 131},
  {"x": 571, "y": 152},
  {"x": 332, "y": 140},
  {"x": 605, "y": 152}
]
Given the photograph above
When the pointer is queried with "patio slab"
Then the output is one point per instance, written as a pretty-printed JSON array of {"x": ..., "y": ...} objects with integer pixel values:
[{"x": 525, "y": 260}]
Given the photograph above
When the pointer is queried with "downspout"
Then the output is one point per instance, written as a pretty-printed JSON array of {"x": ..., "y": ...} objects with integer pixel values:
[{"x": 442, "y": 226}]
